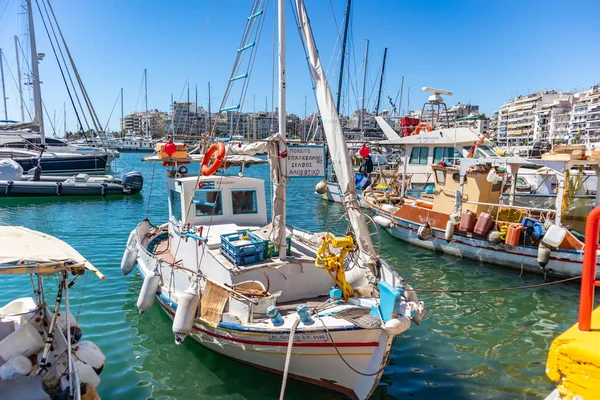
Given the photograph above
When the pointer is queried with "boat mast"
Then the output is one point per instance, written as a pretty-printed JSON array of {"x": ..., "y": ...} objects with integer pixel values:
[
  {"x": 362, "y": 107},
  {"x": 401, "y": 93},
  {"x": 122, "y": 112},
  {"x": 339, "y": 93},
  {"x": 146, "y": 97},
  {"x": 196, "y": 111},
  {"x": 65, "y": 117},
  {"x": 282, "y": 123},
  {"x": 19, "y": 78},
  {"x": 381, "y": 81},
  {"x": 3, "y": 88},
  {"x": 209, "y": 124},
  {"x": 35, "y": 76}
]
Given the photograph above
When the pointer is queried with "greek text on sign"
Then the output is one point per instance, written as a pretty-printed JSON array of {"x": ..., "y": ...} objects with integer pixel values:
[{"x": 306, "y": 161}]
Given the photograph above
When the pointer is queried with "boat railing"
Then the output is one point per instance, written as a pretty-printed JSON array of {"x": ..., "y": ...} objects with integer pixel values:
[
  {"x": 509, "y": 206},
  {"x": 588, "y": 272}
]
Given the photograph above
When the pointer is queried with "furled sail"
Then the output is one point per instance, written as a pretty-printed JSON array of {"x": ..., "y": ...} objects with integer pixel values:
[{"x": 336, "y": 143}]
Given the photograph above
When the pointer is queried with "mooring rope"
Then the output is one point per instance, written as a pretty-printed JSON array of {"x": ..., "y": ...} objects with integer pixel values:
[
  {"x": 493, "y": 289},
  {"x": 288, "y": 358}
]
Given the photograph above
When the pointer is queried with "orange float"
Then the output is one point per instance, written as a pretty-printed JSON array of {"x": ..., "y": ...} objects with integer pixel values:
[
  {"x": 219, "y": 149},
  {"x": 422, "y": 126}
]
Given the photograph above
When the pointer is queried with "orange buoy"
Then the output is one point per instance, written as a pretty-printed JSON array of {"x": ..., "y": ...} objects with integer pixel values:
[
  {"x": 422, "y": 126},
  {"x": 218, "y": 148}
]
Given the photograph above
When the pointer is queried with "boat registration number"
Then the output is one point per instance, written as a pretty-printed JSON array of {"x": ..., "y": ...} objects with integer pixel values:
[{"x": 298, "y": 337}]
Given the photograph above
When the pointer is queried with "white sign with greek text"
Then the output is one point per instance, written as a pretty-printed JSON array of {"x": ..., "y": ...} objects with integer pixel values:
[{"x": 306, "y": 161}]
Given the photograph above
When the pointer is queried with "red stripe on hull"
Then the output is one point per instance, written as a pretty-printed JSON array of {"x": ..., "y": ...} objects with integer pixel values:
[{"x": 282, "y": 344}]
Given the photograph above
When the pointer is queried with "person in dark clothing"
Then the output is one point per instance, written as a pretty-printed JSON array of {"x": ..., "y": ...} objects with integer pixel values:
[{"x": 368, "y": 165}]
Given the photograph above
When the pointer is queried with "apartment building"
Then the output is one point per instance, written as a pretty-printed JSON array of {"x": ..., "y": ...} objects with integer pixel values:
[
  {"x": 153, "y": 123},
  {"x": 518, "y": 118}
]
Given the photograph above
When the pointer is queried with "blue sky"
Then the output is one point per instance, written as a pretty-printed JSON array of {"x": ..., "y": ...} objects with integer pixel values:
[{"x": 484, "y": 51}]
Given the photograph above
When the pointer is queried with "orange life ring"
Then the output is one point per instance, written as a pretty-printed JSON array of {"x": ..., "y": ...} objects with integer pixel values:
[
  {"x": 218, "y": 148},
  {"x": 422, "y": 125}
]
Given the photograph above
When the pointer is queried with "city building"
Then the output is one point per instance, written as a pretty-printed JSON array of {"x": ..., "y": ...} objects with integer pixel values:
[
  {"x": 153, "y": 123},
  {"x": 518, "y": 118}
]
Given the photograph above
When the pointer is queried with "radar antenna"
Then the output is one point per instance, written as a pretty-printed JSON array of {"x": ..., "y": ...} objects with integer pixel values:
[{"x": 436, "y": 102}]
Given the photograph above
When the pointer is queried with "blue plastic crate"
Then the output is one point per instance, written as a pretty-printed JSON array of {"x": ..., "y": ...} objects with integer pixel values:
[{"x": 250, "y": 250}]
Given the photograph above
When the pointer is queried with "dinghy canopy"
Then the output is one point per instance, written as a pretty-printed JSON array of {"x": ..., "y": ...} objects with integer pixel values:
[{"x": 25, "y": 251}]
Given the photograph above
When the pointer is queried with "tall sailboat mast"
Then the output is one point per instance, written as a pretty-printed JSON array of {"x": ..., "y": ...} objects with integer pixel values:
[
  {"x": 122, "y": 116},
  {"x": 3, "y": 88},
  {"x": 19, "y": 79},
  {"x": 381, "y": 81},
  {"x": 35, "y": 76},
  {"x": 362, "y": 107},
  {"x": 146, "y": 97},
  {"x": 282, "y": 123},
  {"x": 339, "y": 93},
  {"x": 209, "y": 124}
]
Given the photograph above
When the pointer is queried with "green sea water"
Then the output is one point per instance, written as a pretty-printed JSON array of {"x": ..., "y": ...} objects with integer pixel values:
[{"x": 484, "y": 346}]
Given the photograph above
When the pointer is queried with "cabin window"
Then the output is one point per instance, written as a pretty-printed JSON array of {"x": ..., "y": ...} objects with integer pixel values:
[
  {"x": 244, "y": 202},
  {"x": 175, "y": 204},
  {"x": 419, "y": 156},
  {"x": 444, "y": 154},
  {"x": 208, "y": 202},
  {"x": 440, "y": 177}
]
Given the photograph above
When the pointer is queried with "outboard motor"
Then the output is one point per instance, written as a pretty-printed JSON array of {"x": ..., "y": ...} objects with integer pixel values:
[{"x": 134, "y": 181}]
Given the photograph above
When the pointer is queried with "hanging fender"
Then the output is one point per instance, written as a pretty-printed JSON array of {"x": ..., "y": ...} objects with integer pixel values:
[
  {"x": 149, "y": 290},
  {"x": 425, "y": 232},
  {"x": 187, "y": 307},
  {"x": 449, "y": 231},
  {"x": 130, "y": 254}
]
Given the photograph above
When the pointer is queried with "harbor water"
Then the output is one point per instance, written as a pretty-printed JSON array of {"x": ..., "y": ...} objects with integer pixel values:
[{"x": 469, "y": 345}]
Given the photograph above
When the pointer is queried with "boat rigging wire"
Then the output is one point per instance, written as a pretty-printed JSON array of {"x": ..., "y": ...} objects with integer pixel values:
[
  {"x": 493, "y": 289},
  {"x": 59, "y": 64}
]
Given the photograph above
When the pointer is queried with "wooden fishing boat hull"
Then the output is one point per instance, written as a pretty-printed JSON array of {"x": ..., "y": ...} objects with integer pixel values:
[
  {"x": 562, "y": 263},
  {"x": 315, "y": 358}
]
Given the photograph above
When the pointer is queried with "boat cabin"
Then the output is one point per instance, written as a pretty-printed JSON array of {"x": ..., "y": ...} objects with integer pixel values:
[
  {"x": 474, "y": 184},
  {"x": 441, "y": 145},
  {"x": 216, "y": 200}
]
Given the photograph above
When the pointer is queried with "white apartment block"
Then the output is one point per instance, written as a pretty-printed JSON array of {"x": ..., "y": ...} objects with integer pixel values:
[
  {"x": 153, "y": 123},
  {"x": 585, "y": 117},
  {"x": 557, "y": 118},
  {"x": 518, "y": 118}
]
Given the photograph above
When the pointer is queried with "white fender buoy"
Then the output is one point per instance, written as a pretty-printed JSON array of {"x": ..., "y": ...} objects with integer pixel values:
[
  {"x": 87, "y": 374},
  {"x": 396, "y": 326},
  {"x": 382, "y": 221},
  {"x": 494, "y": 237},
  {"x": 16, "y": 366},
  {"x": 543, "y": 255},
  {"x": 425, "y": 232},
  {"x": 130, "y": 254},
  {"x": 187, "y": 306},
  {"x": 449, "y": 231},
  {"x": 148, "y": 291},
  {"x": 321, "y": 187},
  {"x": 90, "y": 354}
]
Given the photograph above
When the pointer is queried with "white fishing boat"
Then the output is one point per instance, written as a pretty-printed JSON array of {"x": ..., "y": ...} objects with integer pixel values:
[
  {"x": 467, "y": 217},
  {"x": 42, "y": 355},
  {"x": 314, "y": 307}
]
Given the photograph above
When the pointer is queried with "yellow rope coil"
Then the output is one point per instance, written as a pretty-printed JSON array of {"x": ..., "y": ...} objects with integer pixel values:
[{"x": 332, "y": 262}]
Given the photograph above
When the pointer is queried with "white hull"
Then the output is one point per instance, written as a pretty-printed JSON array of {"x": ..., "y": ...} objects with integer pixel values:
[
  {"x": 314, "y": 357},
  {"x": 334, "y": 193},
  {"x": 562, "y": 263}
]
